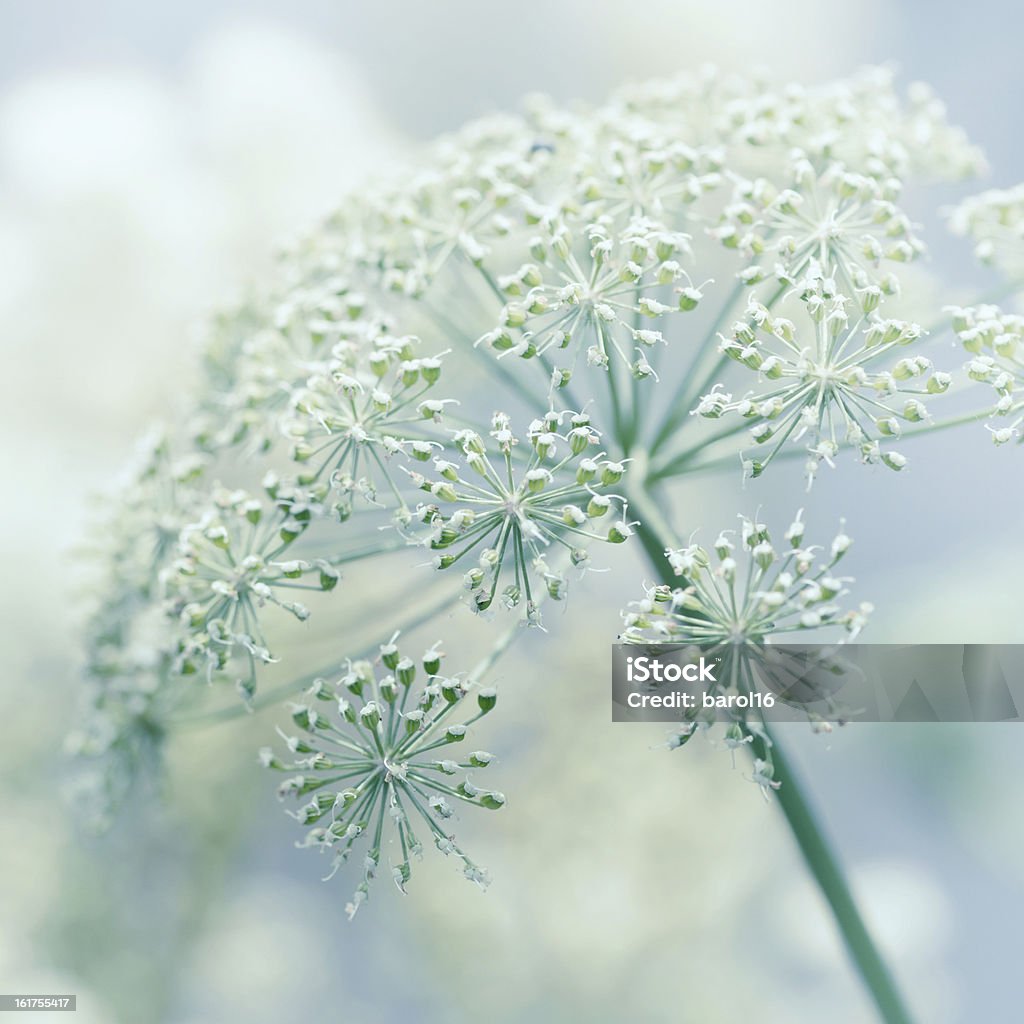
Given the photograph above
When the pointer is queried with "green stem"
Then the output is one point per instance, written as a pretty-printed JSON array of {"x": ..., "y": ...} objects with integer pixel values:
[
  {"x": 800, "y": 816},
  {"x": 694, "y": 383},
  {"x": 690, "y": 462},
  {"x": 654, "y": 532},
  {"x": 828, "y": 873}
]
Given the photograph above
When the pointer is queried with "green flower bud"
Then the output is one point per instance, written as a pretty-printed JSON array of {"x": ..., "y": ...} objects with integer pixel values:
[
  {"x": 689, "y": 299},
  {"x": 406, "y": 671},
  {"x": 329, "y": 576},
  {"x": 431, "y": 370},
  {"x": 612, "y": 473},
  {"x": 443, "y": 491},
  {"x": 619, "y": 533},
  {"x": 431, "y": 662},
  {"x": 369, "y": 715},
  {"x": 451, "y": 690}
]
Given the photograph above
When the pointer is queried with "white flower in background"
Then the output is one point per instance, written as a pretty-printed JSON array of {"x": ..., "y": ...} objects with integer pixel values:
[
  {"x": 844, "y": 222},
  {"x": 994, "y": 220},
  {"x": 993, "y": 339}
]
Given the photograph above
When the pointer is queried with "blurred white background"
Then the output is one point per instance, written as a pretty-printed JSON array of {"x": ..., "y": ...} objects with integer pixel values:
[{"x": 152, "y": 158}]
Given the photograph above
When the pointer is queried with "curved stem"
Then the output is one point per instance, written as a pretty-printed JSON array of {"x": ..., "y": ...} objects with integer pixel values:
[{"x": 803, "y": 824}]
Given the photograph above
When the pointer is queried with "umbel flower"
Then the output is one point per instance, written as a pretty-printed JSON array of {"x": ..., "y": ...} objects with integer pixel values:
[
  {"x": 746, "y": 596},
  {"x": 842, "y": 221},
  {"x": 384, "y": 769},
  {"x": 995, "y": 221},
  {"x": 512, "y": 511},
  {"x": 603, "y": 296},
  {"x": 737, "y": 600},
  {"x": 993, "y": 339},
  {"x": 232, "y": 563},
  {"x": 831, "y": 382},
  {"x": 368, "y": 403}
]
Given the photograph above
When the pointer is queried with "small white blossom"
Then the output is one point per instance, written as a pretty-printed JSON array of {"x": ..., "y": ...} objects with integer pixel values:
[
  {"x": 371, "y": 769},
  {"x": 835, "y": 382}
]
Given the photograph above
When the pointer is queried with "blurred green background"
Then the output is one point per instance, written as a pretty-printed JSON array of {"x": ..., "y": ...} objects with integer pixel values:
[{"x": 152, "y": 158}]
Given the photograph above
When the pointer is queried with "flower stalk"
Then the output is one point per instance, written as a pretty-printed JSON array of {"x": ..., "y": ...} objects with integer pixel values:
[
  {"x": 807, "y": 831},
  {"x": 822, "y": 862}
]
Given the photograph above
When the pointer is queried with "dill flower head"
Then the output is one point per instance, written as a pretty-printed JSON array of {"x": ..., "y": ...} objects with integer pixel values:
[
  {"x": 994, "y": 220},
  {"x": 599, "y": 297},
  {"x": 739, "y": 602},
  {"x": 231, "y": 564},
  {"x": 993, "y": 340},
  {"x": 834, "y": 380},
  {"x": 839, "y": 220},
  {"x": 748, "y": 595},
  {"x": 367, "y": 403},
  {"x": 384, "y": 765},
  {"x": 510, "y": 510}
]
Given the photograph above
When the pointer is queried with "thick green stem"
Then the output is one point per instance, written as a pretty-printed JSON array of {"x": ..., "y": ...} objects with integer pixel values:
[{"x": 808, "y": 833}]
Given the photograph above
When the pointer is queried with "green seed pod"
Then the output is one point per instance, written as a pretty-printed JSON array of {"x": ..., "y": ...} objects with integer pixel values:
[
  {"x": 451, "y": 690},
  {"x": 405, "y": 669},
  {"x": 619, "y": 532},
  {"x": 612, "y": 473},
  {"x": 432, "y": 662}
]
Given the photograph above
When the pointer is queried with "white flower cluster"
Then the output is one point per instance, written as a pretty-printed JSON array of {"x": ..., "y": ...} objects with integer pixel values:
[
  {"x": 377, "y": 760},
  {"x": 516, "y": 513},
  {"x": 839, "y": 219},
  {"x": 995, "y": 221},
  {"x": 734, "y": 605},
  {"x": 744, "y": 598},
  {"x": 836, "y": 381},
  {"x": 994, "y": 341},
  {"x": 411, "y": 383}
]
